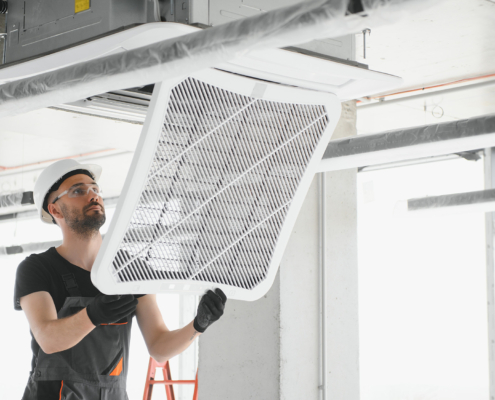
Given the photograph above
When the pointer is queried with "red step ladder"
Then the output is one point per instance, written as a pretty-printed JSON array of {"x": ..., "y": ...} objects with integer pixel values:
[{"x": 167, "y": 381}]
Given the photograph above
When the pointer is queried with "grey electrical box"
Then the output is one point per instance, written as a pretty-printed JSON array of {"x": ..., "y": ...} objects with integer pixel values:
[
  {"x": 37, "y": 27},
  {"x": 216, "y": 12}
]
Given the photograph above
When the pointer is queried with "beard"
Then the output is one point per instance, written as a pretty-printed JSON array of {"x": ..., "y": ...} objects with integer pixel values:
[{"x": 85, "y": 225}]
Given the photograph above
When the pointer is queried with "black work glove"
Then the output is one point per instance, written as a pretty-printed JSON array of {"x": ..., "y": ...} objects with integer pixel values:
[
  {"x": 210, "y": 309},
  {"x": 107, "y": 309}
]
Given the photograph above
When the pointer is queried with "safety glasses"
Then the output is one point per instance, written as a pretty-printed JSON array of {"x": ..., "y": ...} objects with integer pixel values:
[{"x": 80, "y": 190}]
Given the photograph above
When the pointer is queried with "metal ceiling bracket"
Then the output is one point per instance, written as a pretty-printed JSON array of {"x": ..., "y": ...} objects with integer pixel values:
[{"x": 182, "y": 11}]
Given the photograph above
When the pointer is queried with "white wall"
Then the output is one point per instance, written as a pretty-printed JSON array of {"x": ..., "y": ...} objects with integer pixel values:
[
  {"x": 422, "y": 288},
  {"x": 14, "y": 335}
]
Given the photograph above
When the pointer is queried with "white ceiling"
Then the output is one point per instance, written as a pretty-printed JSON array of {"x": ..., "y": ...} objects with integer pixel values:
[
  {"x": 450, "y": 41},
  {"x": 446, "y": 43},
  {"x": 433, "y": 110},
  {"x": 48, "y": 134},
  {"x": 31, "y": 141}
]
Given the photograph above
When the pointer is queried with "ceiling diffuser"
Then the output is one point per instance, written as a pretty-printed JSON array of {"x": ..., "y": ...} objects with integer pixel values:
[{"x": 219, "y": 175}]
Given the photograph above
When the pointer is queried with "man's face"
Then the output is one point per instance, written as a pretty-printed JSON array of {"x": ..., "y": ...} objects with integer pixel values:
[{"x": 84, "y": 215}]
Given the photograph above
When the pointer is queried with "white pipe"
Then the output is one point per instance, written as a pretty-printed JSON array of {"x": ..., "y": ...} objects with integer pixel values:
[
  {"x": 490, "y": 272},
  {"x": 322, "y": 293}
]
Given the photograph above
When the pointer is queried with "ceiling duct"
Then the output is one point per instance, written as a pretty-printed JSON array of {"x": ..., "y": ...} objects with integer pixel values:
[
  {"x": 418, "y": 142},
  {"x": 221, "y": 170},
  {"x": 16, "y": 199},
  {"x": 89, "y": 71}
]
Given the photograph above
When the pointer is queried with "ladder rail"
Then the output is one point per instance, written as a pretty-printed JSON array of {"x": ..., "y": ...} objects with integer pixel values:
[{"x": 167, "y": 381}]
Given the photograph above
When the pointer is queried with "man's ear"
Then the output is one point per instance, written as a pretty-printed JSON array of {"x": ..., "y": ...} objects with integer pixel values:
[{"x": 54, "y": 211}]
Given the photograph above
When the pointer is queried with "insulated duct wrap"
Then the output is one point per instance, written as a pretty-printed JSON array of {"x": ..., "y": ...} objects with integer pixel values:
[
  {"x": 16, "y": 199},
  {"x": 480, "y": 201},
  {"x": 28, "y": 248},
  {"x": 418, "y": 135},
  {"x": 10, "y": 200},
  {"x": 451, "y": 200},
  {"x": 453, "y": 137},
  {"x": 186, "y": 54}
]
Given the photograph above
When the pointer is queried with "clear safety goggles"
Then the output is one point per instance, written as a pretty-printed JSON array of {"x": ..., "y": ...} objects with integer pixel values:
[{"x": 80, "y": 190}]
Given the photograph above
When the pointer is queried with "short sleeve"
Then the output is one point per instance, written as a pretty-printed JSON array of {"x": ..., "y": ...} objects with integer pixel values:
[{"x": 31, "y": 277}]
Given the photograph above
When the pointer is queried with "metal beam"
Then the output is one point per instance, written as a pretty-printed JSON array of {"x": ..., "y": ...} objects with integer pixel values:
[{"x": 410, "y": 143}]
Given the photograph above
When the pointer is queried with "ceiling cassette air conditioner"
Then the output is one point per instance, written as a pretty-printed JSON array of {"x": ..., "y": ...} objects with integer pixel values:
[{"x": 219, "y": 175}]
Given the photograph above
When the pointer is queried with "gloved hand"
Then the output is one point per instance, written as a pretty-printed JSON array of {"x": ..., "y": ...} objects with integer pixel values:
[
  {"x": 210, "y": 309},
  {"x": 107, "y": 309}
]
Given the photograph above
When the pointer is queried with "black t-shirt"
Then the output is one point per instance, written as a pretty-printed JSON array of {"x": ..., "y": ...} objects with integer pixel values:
[{"x": 37, "y": 274}]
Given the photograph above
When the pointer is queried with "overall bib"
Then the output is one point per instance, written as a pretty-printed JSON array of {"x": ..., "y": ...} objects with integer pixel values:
[{"x": 95, "y": 368}]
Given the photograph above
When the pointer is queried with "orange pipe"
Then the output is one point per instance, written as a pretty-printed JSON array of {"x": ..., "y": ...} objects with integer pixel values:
[
  {"x": 433, "y": 86},
  {"x": 55, "y": 159}
]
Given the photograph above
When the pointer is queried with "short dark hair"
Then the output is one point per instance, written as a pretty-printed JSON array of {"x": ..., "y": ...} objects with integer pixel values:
[{"x": 57, "y": 184}]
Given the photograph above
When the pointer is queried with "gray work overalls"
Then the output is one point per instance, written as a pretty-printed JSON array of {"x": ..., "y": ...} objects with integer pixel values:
[{"x": 95, "y": 368}]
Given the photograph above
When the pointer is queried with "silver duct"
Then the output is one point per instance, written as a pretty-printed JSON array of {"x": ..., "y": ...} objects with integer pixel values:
[{"x": 193, "y": 52}]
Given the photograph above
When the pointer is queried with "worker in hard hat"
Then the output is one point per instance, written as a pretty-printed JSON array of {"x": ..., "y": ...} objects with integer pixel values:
[{"x": 80, "y": 337}]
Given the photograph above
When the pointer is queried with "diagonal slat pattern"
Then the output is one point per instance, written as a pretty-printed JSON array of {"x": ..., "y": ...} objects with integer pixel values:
[{"x": 224, "y": 173}]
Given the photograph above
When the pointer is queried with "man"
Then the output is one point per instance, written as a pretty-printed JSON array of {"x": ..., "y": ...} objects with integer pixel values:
[{"x": 80, "y": 337}]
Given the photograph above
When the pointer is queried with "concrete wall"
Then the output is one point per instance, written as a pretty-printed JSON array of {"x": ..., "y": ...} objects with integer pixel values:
[
  {"x": 306, "y": 343},
  {"x": 299, "y": 313},
  {"x": 342, "y": 344},
  {"x": 342, "y": 277}
]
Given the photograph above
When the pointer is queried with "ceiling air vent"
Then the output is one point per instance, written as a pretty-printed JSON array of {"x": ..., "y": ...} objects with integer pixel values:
[{"x": 221, "y": 170}]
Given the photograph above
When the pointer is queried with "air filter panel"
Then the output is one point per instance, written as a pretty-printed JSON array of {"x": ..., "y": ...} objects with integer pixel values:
[{"x": 221, "y": 170}]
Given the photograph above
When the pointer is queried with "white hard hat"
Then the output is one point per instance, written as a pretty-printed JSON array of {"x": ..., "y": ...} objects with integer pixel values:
[{"x": 52, "y": 174}]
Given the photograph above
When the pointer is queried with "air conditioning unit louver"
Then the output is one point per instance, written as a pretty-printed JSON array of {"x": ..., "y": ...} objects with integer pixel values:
[{"x": 220, "y": 173}]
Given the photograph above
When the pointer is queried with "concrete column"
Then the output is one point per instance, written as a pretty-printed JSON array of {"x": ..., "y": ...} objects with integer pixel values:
[
  {"x": 239, "y": 354},
  {"x": 342, "y": 333},
  {"x": 188, "y": 360},
  {"x": 299, "y": 303},
  {"x": 274, "y": 348},
  {"x": 342, "y": 347}
]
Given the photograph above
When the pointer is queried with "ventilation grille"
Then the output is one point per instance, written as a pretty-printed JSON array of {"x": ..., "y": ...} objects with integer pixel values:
[{"x": 224, "y": 173}]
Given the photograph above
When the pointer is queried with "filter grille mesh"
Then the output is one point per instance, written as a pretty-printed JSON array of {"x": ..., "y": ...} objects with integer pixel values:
[{"x": 225, "y": 170}]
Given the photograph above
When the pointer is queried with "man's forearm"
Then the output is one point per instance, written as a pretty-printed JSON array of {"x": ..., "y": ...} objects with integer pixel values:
[
  {"x": 62, "y": 334},
  {"x": 171, "y": 343}
]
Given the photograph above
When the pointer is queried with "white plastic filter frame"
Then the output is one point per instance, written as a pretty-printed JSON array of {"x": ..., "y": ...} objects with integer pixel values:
[{"x": 110, "y": 280}]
